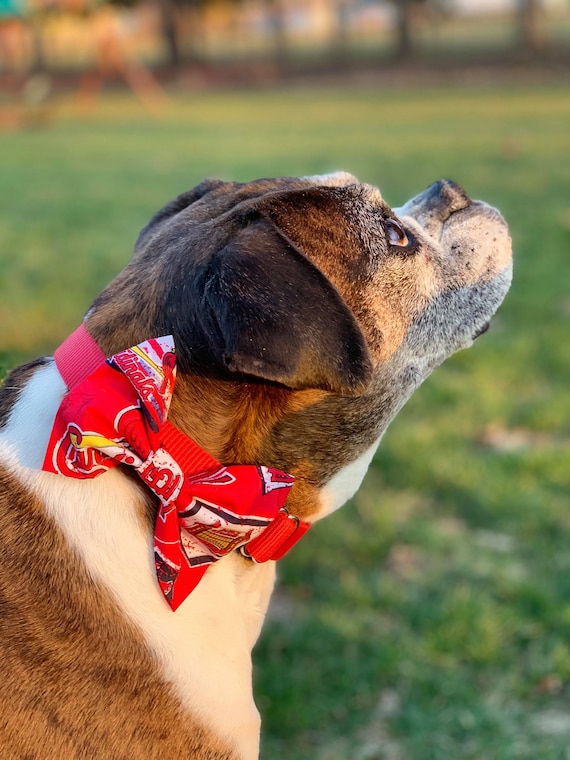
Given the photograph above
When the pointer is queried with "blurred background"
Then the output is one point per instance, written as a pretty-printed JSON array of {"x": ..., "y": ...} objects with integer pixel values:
[
  {"x": 55, "y": 44},
  {"x": 430, "y": 617}
]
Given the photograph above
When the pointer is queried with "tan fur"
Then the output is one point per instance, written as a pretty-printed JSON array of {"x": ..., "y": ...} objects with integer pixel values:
[{"x": 236, "y": 423}]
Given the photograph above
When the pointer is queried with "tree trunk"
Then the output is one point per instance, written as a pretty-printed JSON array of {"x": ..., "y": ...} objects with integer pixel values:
[
  {"x": 169, "y": 31},
  {"x": 276, "y": 14},
  {"x": 341, "y": 33},
  {"x": 404, "y": 24},
  {"x": 531, "y": 25},
  {"x": 36, "y": 28}
]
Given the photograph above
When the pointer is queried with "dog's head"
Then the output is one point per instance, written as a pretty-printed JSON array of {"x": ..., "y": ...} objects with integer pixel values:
[{"x": 305, "y": 311}]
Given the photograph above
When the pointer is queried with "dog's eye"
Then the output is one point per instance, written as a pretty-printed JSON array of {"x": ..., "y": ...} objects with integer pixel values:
[{"x": 396, "y": 233}]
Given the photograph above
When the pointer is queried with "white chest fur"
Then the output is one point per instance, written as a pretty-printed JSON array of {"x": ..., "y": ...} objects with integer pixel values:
[
  {"x": 208, "y": 640},
  {"x": 342, "y": 486}
]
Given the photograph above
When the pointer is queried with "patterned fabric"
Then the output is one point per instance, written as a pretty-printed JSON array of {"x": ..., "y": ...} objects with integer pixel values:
[{"x": 117, "y": 415}]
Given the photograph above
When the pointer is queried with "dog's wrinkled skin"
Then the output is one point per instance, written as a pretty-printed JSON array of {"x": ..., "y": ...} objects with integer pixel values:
[{"x": 304, "y": 315}]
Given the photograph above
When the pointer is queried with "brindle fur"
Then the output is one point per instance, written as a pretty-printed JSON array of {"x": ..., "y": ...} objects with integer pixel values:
[{"x": 300, "y": 332}]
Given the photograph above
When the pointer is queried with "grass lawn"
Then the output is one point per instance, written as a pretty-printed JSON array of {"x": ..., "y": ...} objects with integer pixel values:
[{"x": 430, "y": 618}]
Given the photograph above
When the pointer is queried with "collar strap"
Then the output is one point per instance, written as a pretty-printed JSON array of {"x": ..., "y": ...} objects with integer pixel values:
[{"x": 112, "y": 417}]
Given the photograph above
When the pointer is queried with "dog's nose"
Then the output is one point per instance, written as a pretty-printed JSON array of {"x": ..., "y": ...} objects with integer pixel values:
[
  {"x": 436, "y": 204},
  {"x": 444, "y": 198}
]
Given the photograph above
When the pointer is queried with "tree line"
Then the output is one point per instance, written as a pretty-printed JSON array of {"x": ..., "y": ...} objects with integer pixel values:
[{"x": 529, "y": 20}]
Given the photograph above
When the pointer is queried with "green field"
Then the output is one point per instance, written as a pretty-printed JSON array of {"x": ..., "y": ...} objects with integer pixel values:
[{"x": 430, "y": 618}]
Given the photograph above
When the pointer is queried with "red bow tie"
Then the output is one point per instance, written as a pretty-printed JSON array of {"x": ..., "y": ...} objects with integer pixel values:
[{"x": 115, "y": 413}]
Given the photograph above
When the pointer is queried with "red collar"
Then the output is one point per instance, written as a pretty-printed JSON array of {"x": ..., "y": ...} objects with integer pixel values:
[{"x": 116, "y": 413}]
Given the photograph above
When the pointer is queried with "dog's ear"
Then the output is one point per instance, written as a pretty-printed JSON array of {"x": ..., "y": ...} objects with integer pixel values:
[
  {"x": 175, "y": 206},
  {"x": 269, "y": 312}
]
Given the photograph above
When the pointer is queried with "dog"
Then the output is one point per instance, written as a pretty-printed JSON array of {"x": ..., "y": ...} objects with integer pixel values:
[{"x": 303, "y": 314}]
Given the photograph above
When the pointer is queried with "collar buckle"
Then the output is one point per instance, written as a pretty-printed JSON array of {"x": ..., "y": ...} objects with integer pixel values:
[{"x": 276, "y": 540}]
